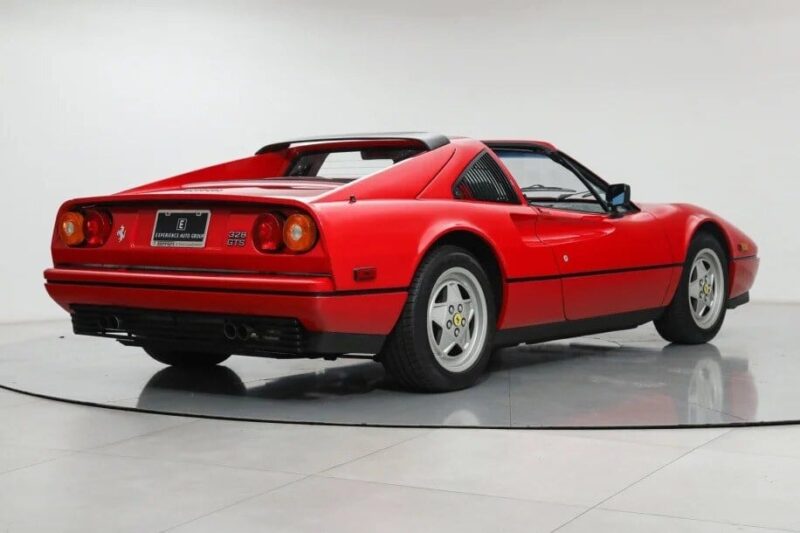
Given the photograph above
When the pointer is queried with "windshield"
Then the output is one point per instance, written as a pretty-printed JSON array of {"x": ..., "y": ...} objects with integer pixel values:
[{"x": 347, "y": 165}]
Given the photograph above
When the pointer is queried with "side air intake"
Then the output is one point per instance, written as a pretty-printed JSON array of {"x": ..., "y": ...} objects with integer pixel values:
[{"x": 484, "y": 180}]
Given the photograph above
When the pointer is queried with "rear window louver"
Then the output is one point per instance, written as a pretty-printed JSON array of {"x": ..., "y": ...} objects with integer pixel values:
[{"x": 484, "y": 180}]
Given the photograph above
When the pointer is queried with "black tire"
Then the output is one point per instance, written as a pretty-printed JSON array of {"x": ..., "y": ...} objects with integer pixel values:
[
  {"x": 677, "y": 324},
  {"x": 184, "y": 358},
  {"x": 407, "y": 355}
]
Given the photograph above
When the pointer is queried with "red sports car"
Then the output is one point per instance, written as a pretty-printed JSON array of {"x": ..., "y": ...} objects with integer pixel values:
[{"x": 426, "y": 251}]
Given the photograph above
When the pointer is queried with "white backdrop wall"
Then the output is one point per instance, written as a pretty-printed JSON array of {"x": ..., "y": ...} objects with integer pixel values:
[{"x": 686, "y": 101}]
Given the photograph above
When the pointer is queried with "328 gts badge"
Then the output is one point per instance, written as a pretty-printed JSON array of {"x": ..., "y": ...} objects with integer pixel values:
[{"x": 236, "y": 238}]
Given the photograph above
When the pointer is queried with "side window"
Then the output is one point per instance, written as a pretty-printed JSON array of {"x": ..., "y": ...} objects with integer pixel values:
[
  {"x": 548, "y": 183},
  {"x": 484, "y": 180}
]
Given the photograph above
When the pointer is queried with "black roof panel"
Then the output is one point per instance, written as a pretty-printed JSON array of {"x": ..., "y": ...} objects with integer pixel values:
[{"x": 430, "y": 141}]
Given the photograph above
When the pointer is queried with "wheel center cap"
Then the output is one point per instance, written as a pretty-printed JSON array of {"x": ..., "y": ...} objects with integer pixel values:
[
  {"x": 707, "y": 288},
  {"x": 458, "y": 319}
]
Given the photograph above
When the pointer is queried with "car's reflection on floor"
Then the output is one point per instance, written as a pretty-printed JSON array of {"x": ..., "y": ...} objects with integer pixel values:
[{"x": 578, "y": 384}]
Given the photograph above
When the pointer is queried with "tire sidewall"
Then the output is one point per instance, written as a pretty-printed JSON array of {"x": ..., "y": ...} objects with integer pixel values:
[{"x": 444, "y": 259}]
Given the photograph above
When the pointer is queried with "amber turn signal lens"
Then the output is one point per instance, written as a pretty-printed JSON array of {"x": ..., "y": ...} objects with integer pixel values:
[
  {"x": 299, "y": 232},
  {"x": 70, "y": 228}
]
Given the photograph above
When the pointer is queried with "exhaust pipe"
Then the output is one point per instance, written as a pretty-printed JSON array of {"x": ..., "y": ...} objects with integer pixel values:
[
  {"x": 244, "y": 331},
  {"x": 111, "y": 322},
  {"x": 229, "y": 330}
]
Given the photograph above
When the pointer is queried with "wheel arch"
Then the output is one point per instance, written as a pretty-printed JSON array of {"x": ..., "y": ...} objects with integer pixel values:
[
  {"x": 483, "y": 250},
  {"x": 716, "y": 230}
]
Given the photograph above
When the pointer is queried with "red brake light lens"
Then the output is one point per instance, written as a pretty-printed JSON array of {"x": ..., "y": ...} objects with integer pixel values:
[
  {"x": 268, "y": 233},
  {"x": 96, "y": 227}
]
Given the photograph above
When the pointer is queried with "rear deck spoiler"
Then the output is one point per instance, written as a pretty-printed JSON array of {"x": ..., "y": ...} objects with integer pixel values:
[{"x": 430, "y": 141}]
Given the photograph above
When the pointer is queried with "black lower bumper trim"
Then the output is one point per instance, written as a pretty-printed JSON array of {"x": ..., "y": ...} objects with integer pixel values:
[{"x": 235, "y": 334}]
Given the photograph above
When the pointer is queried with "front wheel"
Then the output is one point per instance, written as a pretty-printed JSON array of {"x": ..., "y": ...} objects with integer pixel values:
[
  {"x": 443, "y": 339},
  {"x": 698, "y": 307},
  {"x": 184, "y": 358}
]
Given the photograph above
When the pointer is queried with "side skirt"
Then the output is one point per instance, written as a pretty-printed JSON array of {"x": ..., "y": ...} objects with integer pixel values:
[{"x": 575, "y": 328}]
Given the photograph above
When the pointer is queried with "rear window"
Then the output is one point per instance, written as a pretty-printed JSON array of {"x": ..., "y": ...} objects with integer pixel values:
[{"x": 349, "y": 164}]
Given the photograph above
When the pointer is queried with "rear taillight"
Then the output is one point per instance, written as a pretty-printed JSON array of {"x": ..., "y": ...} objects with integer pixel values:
[
  {"x": 272, "y": 233},
  {"x": 268, "y": 233},
  {"x": 89, "y": 228},
  {"x": 299, "y": 232},
  {"x": 70, "y": 228},
  {"x": 96, "y": 227}
]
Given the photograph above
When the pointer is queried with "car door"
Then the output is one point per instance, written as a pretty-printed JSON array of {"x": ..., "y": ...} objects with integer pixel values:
[{"x": 609, "y": 262}]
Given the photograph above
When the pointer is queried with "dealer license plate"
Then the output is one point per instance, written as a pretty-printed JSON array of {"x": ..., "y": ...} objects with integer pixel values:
[{"x": 181, "y": 228}]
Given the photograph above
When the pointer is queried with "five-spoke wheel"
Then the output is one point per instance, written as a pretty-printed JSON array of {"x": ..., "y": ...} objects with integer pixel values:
[
  {"x": 456, "y": 319},
  {"x": 443, "y": 339},
  {"x": 705, "y": 296},
  {"x": 698, "y": 307}
]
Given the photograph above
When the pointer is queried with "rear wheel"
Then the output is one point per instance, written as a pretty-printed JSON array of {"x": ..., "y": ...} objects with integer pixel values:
[
  {"x": 443, "y": 338},
  {"x": 698, "y": 307},
  {"x": 184, "y": 358}
]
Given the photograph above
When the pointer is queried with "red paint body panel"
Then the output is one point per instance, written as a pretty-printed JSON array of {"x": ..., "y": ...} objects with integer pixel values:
[
  {"x": 555, "y": 265},
  {"x": 608, "y": 294},
  {"x": 335, "y": 313},
  {"x": 530, "y": 303},
  {"x": 743, "y": 274},
  {"x": 189, "y": 280}
]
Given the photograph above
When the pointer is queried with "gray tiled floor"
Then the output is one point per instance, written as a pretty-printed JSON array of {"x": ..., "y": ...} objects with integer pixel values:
[
  {"x": 65, "y": 467},
  {"x": 71, "y": 468},
  {"x": 332, "y": 505},
  {"x": 529, "y": 465},
  {"x": 603, "y": 521}
]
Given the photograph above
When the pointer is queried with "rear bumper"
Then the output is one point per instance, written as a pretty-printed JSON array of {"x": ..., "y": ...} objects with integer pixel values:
[
  {"x": 223, "y": 333},
  {"x": 311, "y": 300}
]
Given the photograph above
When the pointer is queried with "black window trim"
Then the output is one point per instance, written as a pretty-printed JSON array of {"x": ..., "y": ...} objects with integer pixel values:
[
  {"x": 570, "y": 164},
  {"x": 603, "y": 184},
  {"x": 508, "y": 181},
  {"x": 431, "y": 141}
]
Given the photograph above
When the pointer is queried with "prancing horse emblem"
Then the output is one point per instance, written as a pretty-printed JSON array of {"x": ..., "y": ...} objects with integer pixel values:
[{"x": 121, "y": 233}]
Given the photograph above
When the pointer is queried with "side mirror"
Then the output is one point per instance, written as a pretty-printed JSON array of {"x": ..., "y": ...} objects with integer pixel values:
[{"x": 618, "y": 195}]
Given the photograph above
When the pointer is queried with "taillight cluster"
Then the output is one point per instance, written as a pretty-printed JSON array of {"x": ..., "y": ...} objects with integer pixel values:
[
  {"x": 88, "y": 227},
  {"x": 272, "y": 232}
]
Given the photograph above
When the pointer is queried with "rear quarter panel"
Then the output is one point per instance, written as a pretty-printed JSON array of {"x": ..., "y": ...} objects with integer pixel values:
[{"x": 393, "y": 237}]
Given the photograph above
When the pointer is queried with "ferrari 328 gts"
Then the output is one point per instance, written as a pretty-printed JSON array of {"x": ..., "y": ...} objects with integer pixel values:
[{"x": 424, "y": 251}]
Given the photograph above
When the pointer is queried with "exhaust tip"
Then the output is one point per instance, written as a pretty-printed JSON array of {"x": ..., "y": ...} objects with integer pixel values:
[
  {"x": 244, "y": 331},
  {"x": 111, "y": 322},
  {"x": 229, "y": 330}
]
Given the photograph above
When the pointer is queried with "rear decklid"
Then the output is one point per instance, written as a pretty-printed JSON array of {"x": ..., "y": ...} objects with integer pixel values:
[{"x": 196, "y": 229}]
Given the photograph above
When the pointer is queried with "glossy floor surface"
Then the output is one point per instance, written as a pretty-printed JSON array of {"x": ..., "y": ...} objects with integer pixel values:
[
  {"x": 66, "y": 467},
  {"x": 71, "y": 468},
  {"x": 622, "y": 379}
]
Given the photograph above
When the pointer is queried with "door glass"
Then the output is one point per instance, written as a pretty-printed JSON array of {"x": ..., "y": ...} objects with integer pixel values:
[{"x": 548, "y": 183}]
